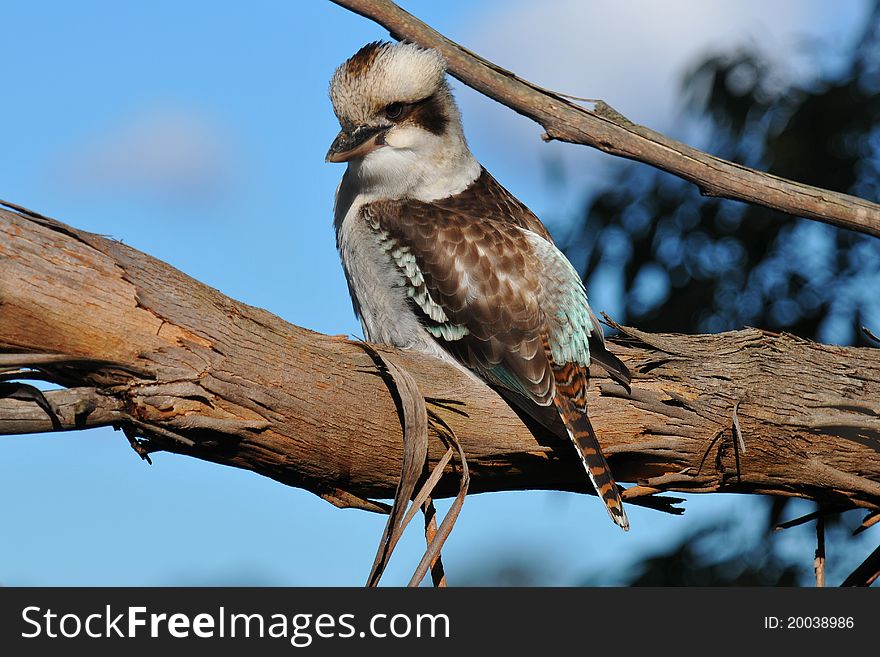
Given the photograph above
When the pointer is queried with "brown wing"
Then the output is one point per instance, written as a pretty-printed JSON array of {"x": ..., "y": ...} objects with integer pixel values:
[
  {"x": 480, "y": 295},
  {"x": 487, "y": 199}
]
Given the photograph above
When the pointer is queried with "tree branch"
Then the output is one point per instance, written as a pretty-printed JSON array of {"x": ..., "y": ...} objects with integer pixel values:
[
  {"x": 76, "y": 408},
  {"x": 185, "y": 369},
  {"x": 609, "y": 131}
]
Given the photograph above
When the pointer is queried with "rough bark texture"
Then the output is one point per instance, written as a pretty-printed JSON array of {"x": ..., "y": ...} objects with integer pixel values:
[
  {"x": 609, "y": 131},
  {"x": 142, "y": 346}
]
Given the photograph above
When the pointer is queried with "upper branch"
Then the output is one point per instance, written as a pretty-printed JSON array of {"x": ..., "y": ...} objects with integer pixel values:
[
  {"x": 607, "y": 130},
  {"x": 183, "y": 368}
]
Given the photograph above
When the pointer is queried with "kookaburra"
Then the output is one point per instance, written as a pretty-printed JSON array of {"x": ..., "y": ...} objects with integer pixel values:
[{"x": 441, "y": 258}]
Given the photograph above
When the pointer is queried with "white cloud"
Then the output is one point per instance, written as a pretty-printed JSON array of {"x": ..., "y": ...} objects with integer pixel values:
[
  {"x": 630, "y": 54},
  {"x": 161, "y": 152}
]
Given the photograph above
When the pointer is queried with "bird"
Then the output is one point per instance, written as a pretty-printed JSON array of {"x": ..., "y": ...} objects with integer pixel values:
[{"x": 441, "y": 259}]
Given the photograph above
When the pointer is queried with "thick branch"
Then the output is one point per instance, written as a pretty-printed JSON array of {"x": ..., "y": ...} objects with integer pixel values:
[
  {"x": 612, "y": 133},
  {"x": 189, "y": 370}
]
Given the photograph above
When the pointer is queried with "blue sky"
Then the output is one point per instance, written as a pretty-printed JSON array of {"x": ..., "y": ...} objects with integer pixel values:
[{"x": 196, "y": 132}]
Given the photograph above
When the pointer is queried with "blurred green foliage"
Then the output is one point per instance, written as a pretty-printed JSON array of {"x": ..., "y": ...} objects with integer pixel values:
[
  {"x": 690, "y": 263},
  {"x": 696, "y": 264}
]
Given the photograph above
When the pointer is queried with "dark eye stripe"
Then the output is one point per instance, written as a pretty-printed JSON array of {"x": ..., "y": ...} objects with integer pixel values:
[
  {"x": 427, "y": 113},
  {"x": 397, "y": 112},
  {"x": 430, "y": 114}
]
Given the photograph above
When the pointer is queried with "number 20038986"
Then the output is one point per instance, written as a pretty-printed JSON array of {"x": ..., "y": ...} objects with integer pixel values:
[{"x": 808, "y": 622}]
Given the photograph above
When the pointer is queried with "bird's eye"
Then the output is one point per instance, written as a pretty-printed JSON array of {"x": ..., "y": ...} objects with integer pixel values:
[{"x": 394, "y": 111}]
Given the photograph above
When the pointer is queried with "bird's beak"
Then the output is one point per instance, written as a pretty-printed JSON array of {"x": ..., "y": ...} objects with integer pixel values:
[{"x": 350, "y": 145}]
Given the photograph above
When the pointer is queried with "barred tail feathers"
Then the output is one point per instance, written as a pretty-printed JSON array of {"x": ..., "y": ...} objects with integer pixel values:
[{"x": 571, "y": 403}]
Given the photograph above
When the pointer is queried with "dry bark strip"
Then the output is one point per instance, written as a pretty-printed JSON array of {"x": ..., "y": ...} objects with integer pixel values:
[
  {"x": 198, "y": 373},
  {"x": 607, "y": 130}
]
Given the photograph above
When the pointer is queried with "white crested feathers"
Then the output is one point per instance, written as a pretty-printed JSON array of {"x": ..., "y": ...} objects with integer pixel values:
[
  {"x": 413, "y": 162},
  {"x": 384, "y": 73}
]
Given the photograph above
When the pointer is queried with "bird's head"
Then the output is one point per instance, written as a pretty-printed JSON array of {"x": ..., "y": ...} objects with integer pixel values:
[{"x": 395, "y": 109}]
